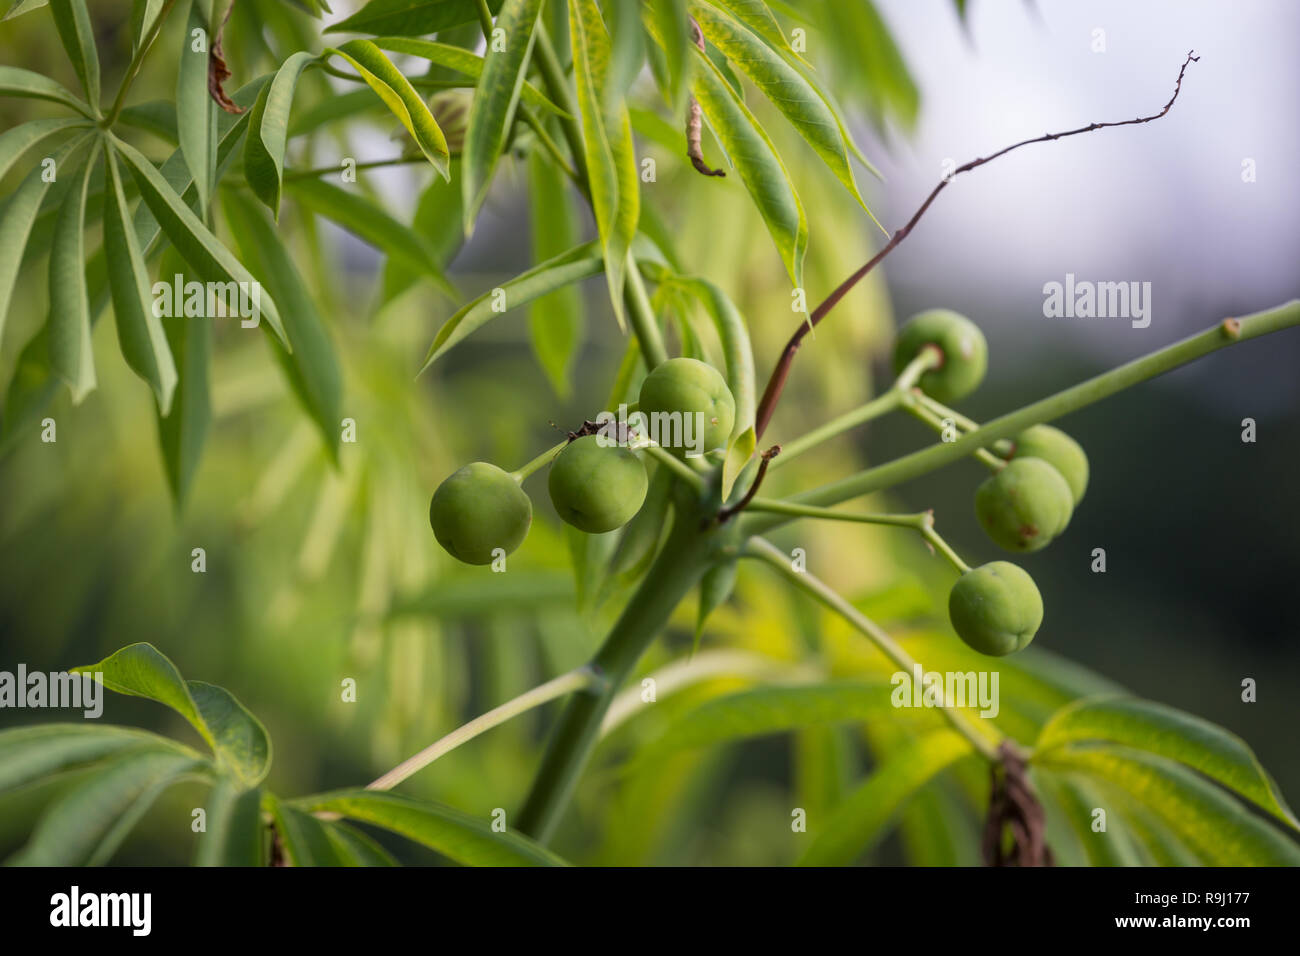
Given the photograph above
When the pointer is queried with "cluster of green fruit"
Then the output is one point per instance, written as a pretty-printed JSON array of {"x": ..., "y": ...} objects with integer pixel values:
[
  {"x": 996, "y": 608},
  {"x": 595, "y": 485}
]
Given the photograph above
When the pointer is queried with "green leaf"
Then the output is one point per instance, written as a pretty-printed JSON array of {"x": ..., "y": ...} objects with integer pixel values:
[
  {"x": 411, "y": 17},
  {"x": 495, "y": 99},
  {"x": 355, "y": 848},
  {"x": 269, "y": 131},
  {"x": 17, "y": 141},
  {"x": 672, "y": 27},
  {"x": 874, "y": 67},
  {"x": 28, "y": 754},
  {"x": 627, "y": 50},
  {"x": 18, "y": 7},
  {"x": 555, "y": 320},
  {"x": 1166, "y": 732},
  {"x": 578, "y": 263},
  {"x": 17, "y": 218},
  {"x": 304, "y": 838},
  {"x": 1219, "y": 829},
  {"x": 236, "y": 737},
  {"x": 770, "y": 710},
  {"x": 312, "y": 367},
  {"x": 368, "y": 222},
  {"x": 461, "y": 61},
  {"x": 182, "y": 433},
  {"x": 454, "y": 834},
  {"x": 756, "y": 160},
  {"x": 400, "y": 97},
  {"x": 784, "y": 86},
  {"x": 204, "y": 252},
  {"x": 156, "y": 117},
  {"x": 641, "y": 536},
  {"x": 15, "y": 81},
  {"x": 78, "y": 36},
  {"x": 715, "y": 588},
  {"x": 437, "y": 221},
  {"x": 234, "y": 831},
  {"x": 1069, "y": 801},
  {"x": 866, "y": 814},
  {"x": 607, "y": 138},
  {"x": 756, "y": 16},
  {"x": 143, "y": 15},
  {"x": 87, "y": 824},
  {"x": 195, "y": 109}
]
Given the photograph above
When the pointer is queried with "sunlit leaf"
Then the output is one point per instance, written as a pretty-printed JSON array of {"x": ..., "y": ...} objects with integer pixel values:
[
  {"x": 78, "y": 36},
  {"x": 411, "y": 17},
  {"x": 269, "y": 131}
]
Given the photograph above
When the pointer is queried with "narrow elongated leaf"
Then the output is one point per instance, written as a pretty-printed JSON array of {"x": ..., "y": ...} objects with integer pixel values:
[
  {"x": 236, "y": 737},
  {"x": 627, "y": 50},
  {"x": 1166, "y": 732},
  {"x": 454, "y": 834},
  {"x": 143, "y": 15},
  {"x": 461, "y": 61},
  {"x": 28, "y": 754},
  {"x": 578, "y": 263},
  {"x": 866, "y": 814},
  {"x": 411, "y": 17},
  {"x": 312, "y": 366},
  {"x": 784, "y": 86},
  {"x": 269, "y": 131},
  {"x": 1219, "y": 829},
  {"x": 15, "y": 81},
  {"x": 672, "y": 27},
  {"x": 368, "y": 222},
  {"x": 607, "y": 136},
  {"x": 195, "y": 109},
  {"x": 438, "y": 222},
  {"x": 715, "y": 588},
  {"x": 355, "y": 848},
  {"x": 71, "y": 356},
  {"x": 18, "y": 7},
  {"x": 14, "y": 143},
  {"x": 204, "y": 252},
  {"x": 73, "y": 23},
  {"x": 17, "y": 218},
  {"x": 495, "y": 99},
  {"x": 756, "y": 160},
  {"x": 641, "y": 535},
  {"x": 555, "y": 320},
  {"x": 156, "y": 117},
  {"x": 400, "y": 97},
  {"x": 182, "y": 433},
  {"x": 756, "y": 15},
  {"x": 234, "y": 831},
  {"x": 86, "y": 825},
  {"x": 304, "y": 838}
]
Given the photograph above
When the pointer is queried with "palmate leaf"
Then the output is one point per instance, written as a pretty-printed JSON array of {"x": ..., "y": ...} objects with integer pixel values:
[
  {"x": 1169, "y": 733},
  {"x": 268, "y": 134},
  {"x": 1218, "y": 828},
  {"x": 788, "y": 89},
  {"x": 607, "y": 139},
  {"x": 452, "y": 833},
  {"x": 312, "y": 367},
  {"x": 365, "y": 220},
  {"x": 411, "y": 17},
  {"x": 495, "y": 99},
  {"x": 400, "y": 97},
  {"x": 236, "y": 737},
  {"x": 86, "y": 824},
  {"x": 460, "y": 61},
  {"x": 73, "y": 24},
  {"x": 865, "y": 815},
  {"x": 757, "y": 162},
  {"x": 578, "y": 263}
]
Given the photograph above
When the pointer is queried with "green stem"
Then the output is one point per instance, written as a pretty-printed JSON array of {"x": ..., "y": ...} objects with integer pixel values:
[
  {"x": 375, "y": 164},
  {"x": 675, "y": 571},
  {"x": 880, "y": 405},
  {"x": 133, "y": 68},
  {"x": 936, "y": 420},
  {"x": 1228, "y": 332},
  {"x": 579, "y": 678},
  {"x": 539, "y": 130},
  {"x": 959, "y": 721},
  {"x": 642, "y": 316},
  {"x": 557, "y": 84},
  {"x": 674, "y": 464},
  {"x": 540, "y": 461}
]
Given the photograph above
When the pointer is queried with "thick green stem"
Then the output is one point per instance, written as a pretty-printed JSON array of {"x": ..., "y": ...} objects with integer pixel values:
[
  {"x": 642, "y": 316},
  {"x": 675, "y": 571},
  {"x": 1071, "y": 399},
  {"x": 936, "y": 420}
]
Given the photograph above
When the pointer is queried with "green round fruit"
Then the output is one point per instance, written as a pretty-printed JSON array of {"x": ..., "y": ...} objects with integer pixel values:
[
  {"x": 995, "y": 608},
  {"x": 1057, "y": 449},
  {"x": 1025, "y": 505},
  {"x": 596, "y": 488},
  {"x": 965, "y": 352},
  {"x": 686, "y": 386},
  {"x": 478, "y": 509}
]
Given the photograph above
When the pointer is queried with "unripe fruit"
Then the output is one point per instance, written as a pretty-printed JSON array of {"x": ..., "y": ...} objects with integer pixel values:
[
  {"x": 478, "y": 509},
  {"x": 965, "y": 352},
  {"x": 1057, "y": 449},
  {"x": 595, "y": 488},
  {"x": 1025, "y": 505},
  {"x": 995, "y": 608},
  {"x": 688, "y": 386}
]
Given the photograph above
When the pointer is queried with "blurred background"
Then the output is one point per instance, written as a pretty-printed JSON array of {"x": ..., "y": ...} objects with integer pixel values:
[{"x": 316, "y": 574}]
